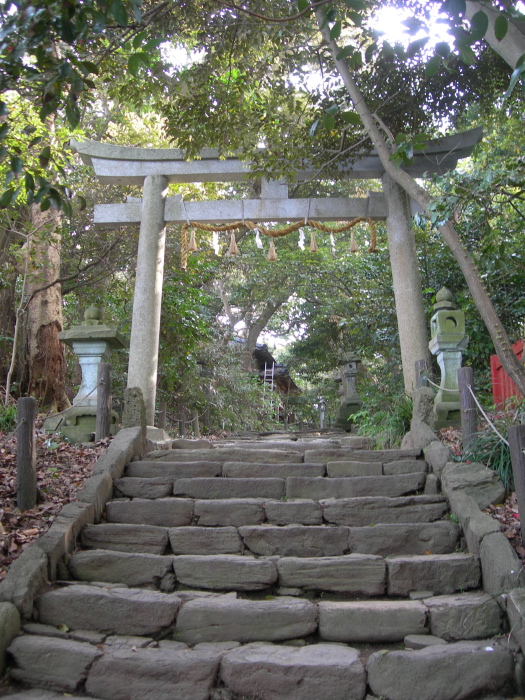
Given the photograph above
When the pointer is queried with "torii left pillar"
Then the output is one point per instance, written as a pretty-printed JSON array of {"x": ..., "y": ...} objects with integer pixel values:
[{"x": 145, "y": 328}]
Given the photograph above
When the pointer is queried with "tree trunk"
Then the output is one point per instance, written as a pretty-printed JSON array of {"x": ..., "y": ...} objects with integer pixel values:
[
  {"x": 45, "y": 352},
  {"x": 480, "y": 296}
]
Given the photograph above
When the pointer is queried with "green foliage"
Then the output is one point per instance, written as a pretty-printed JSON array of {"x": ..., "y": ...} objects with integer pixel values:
[
  {"x": 386, "y": 410},
  {"x": 7, "y": 418},
  {"x": 489, "y": 449}
]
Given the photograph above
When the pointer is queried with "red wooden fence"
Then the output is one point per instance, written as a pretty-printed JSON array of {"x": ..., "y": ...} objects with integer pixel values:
[{"x": 503, "y": 388}]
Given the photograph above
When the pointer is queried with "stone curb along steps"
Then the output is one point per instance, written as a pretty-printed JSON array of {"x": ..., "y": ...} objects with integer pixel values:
[{"x": 314, "y": 569}]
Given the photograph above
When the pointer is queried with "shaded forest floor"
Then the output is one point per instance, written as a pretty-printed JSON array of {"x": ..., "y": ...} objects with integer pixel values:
[{"x": 62, "y": 469}]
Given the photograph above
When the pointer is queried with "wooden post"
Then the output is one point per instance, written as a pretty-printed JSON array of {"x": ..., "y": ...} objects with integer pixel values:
[
  {"x": 182, "y": 424},
  {"x": 26, "y": 454},
  {"x": 161, "y": 417},
  {"x": 516, "y": 436},
  {"x": 469, "y": 416},
  {"x": 422, "y": 373},
  {"x": 195, "y": 421},
  {"x": 103, "y": 421}
]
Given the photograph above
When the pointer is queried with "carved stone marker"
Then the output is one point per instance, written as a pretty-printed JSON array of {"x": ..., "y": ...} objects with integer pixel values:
[
  {"x": 448, "y": 340},
  {"x": 346, "y": 377}
]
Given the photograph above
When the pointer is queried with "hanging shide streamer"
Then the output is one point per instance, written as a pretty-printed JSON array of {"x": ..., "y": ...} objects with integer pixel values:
[
  {"x": 332, "y": 243},
  {"x": 272, "y": 253},
  {"x": 353, "y": 244},
  {"x": 192, "y": 245},
  {"x": 233, "y": 249},
  {"x": 313, "y": 243},
  {"x": 274, "y": 233},
  {"x": 258, "y": 241}
]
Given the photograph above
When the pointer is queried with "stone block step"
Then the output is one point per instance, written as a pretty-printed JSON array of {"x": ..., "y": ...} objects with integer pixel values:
[
  {"x": 138, "y": 487},
  {"x": 225, "y": 572},
  {"x": 205, "y": 540},
  {"x": 226, "y": 618},
  {"x": 449, "y": 672},
  {"x": 131, "y": 569},
  {"x": 230, "y": 488},
  {"x": 315, "y": 672},
  {"x": 408, "y": 538},
  {"x": 295, "y": 540},
  {"x": 341, "y": 468},
  {"x": 254, "y": 470},
  {"x": 371, "y": 622},
  {"x": 113, "y": 672},
  {"x": 265, "y": 670},
  {"x": 154, "y": 674},
  {"x": 439, "y": 573},
  {"x": 233, "y": 511},
  {"x": 464, "y": 616},
  {"x": 167, "y": 512},
  {"x": 372, "y": 511},
  {"x": 230, "y": 454},
  {"x": 329, "y": 455},
  {"x": 147, "y": 469},
  {"x": 354, "y": 487},
  {"x": 354, "y": 574},
  {"x": 123, "y": 611},
  {"x": 124, "y": 537}
]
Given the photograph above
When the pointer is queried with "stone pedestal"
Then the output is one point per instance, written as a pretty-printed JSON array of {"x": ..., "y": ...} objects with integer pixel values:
[
  {"x": 448, "y": 340},
  {"x": 93, "y": 342},
  {"x": 346, "y": 377}
]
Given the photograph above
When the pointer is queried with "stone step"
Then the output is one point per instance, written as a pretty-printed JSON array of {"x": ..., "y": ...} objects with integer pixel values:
[
  {"x": 266, "y": 670},
  {"x": 355, "y": 487},
  {"x": 461, "y": 670},
  {"x": 131, "y": 569},
  {"x": 342, "y": 468},
  {"x": 236, "y": 512},
  {"x": 148, "y": 469},
  {"x": 329, "y": 455},
  {"x": 226, "y": 618},
  {"x": 440, "y": 537},
  {"x": 314, "y": 672},
  {"x": 372, "y": 511},
  {"x": 439, "y": 573},
  {"x": 295, "y": 540},
  {"x": 125, "y": 611},
  {"x": 230, "y": 488},
  {"x": 125, "y": 537},
  {"x": 230, "y": 454},
  {"x": 164, "y": 512},
  {"x": 275, "y": 540},
  {"x": 252, "y": 470}
]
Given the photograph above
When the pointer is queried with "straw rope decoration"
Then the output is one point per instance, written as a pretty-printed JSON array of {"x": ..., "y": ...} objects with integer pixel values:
[{"x": 272, "y": 233}]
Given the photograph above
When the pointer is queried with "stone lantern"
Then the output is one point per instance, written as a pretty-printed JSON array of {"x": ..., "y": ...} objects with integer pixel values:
[
  {"x": 93, "y": 342},
  {"x": 346, "y": 377},
  {"x": 448, "y": 340}
]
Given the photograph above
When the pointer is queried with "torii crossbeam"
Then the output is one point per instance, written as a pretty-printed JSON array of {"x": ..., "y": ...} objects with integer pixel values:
[{"x": 155, "y": 168}]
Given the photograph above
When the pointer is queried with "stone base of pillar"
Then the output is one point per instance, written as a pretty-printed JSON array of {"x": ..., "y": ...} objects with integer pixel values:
[
  {"x": 77, "y": 424},
  {"x": 447, "y": 414},
  {"x": 344, "y": 416}
]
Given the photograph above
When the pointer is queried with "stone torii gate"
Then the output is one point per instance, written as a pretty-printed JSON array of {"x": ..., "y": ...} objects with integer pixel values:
[{"x": 155, "y": 168}]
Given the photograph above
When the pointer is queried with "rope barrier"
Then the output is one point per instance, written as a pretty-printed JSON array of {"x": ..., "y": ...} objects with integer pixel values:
[
  {"x": 486, "y": 417},
  {"x": 273, "y": 233}
]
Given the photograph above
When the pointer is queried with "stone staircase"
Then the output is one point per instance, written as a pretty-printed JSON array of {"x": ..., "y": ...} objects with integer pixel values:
[{"x": 307, "y": 570}]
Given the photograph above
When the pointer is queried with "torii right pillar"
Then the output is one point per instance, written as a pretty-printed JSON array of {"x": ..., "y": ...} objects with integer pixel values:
[{"x": 408, "y": 293}]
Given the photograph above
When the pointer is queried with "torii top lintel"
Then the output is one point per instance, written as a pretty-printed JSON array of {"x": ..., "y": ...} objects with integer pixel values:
[{"x": 123, "y": 165}]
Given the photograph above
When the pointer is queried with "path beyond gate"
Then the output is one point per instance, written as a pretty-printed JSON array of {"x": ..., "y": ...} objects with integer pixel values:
[{"x": 307, "y": 570}]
